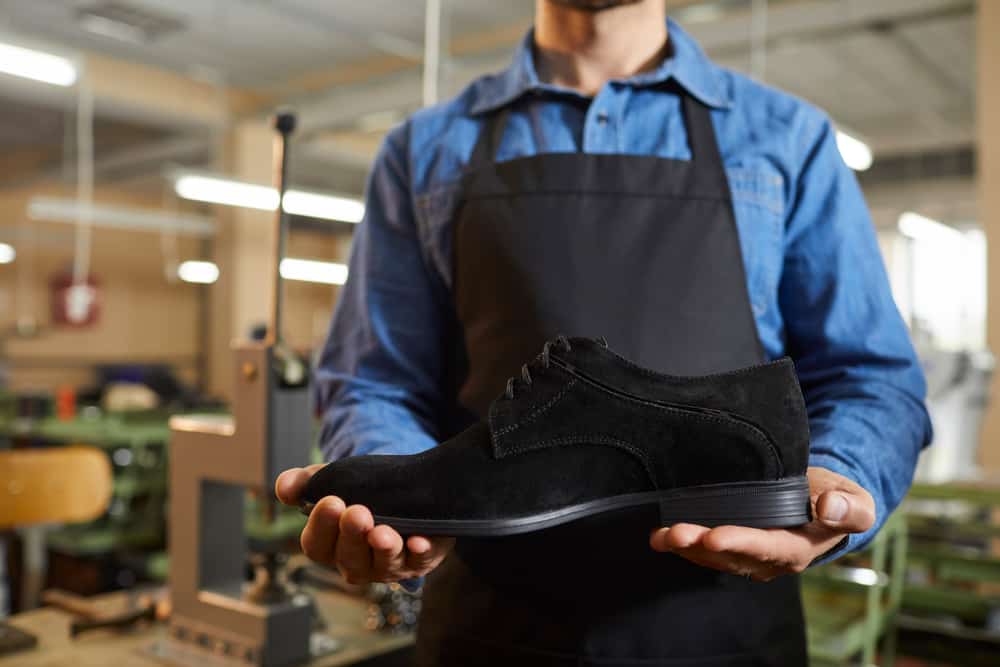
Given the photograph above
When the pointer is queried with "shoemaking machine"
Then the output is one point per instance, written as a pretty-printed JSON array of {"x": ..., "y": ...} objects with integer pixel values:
[{"x": 213, "y": 461}]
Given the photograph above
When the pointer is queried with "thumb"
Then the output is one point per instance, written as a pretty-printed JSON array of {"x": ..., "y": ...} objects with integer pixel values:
[
  {"x": 290, "y": 483},
  {"x": 846, "y": 512}
]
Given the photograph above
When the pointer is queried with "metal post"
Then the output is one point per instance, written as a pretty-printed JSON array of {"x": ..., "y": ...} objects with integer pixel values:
[
  {"x": 284, "y": 124},
  {"x": 432, "y": 51},
  {"x": 84, "y": 179}
]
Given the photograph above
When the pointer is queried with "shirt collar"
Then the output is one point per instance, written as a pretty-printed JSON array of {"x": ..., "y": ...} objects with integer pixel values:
[{"x": 688, "y": 65}]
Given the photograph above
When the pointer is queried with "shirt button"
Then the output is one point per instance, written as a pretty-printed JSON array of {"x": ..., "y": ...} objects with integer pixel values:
[{"x": 602, "y": 117}]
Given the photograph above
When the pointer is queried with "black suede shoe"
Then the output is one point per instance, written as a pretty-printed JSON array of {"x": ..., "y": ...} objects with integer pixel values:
[{"x": 583, "y": 432}]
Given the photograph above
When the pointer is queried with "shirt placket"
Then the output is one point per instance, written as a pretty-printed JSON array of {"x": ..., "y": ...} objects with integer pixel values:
[{"x": 603, "y": 123}]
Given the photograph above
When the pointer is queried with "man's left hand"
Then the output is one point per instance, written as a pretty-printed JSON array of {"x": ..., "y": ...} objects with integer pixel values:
[{"x": 839, "y": 507}]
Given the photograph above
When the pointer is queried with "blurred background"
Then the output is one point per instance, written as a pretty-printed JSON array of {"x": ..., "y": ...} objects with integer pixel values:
[{"x": 136, "y": 217}]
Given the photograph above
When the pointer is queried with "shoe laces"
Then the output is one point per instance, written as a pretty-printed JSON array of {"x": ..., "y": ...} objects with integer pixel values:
[{"x": 560, "y": 341}]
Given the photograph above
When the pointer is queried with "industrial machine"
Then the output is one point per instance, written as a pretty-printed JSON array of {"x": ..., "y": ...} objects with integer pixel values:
[{"x": 213, "y": 460}]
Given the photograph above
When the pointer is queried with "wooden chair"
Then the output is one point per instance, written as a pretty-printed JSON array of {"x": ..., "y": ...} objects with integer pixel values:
[
  {"x": 48, "y": 486},
  {"x": 55, "y": 485}
]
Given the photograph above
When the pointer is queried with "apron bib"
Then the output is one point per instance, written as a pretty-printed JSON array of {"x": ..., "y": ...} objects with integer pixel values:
[{"x": 645, "y": 251}]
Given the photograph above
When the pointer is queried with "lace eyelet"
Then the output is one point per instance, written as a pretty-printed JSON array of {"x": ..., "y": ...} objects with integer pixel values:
[{"x": 560, "y": 340}]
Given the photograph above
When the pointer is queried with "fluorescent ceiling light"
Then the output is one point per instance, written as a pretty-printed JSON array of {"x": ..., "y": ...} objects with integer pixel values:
[
  {"x": 102, "y": 25},
  {"x": 308, "y": 270},
  {"x": 193, "y": 271},
  {"x": 215, "y": 190},
  {"x": 55, "y": 209},
  {"x": 7, "y": 253},
  {"x": 330, "y": 207},
  {"x": 36, "y": 65},
  {"x": 856, "y": 153},
  {"x": 224, "y": 191},
  {"x": 921, "y": 228}
]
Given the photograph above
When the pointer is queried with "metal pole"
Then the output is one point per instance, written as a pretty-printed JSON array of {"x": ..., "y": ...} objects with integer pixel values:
[
  {"x": 84, "y": 179},
  {"x": 432, "y": 51},
  {"x": 284, "y": 125}
]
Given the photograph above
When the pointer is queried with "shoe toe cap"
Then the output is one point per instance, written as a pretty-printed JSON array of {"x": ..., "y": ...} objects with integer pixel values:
[{"x": 362, "y": 480}]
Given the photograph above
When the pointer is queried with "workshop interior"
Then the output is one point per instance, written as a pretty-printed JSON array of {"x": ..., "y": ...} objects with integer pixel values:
[{"x": 180, "y": 184}]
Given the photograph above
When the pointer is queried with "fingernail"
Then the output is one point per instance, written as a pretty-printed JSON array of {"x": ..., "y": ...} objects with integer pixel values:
[
  {"x": 835, "y": 508},
  {"x": 658, "y": 539},
  {"x": 334, "y": 507}
]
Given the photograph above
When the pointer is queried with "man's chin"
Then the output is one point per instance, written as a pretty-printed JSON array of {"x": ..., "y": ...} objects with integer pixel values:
[{"x": 594, "y": 5}]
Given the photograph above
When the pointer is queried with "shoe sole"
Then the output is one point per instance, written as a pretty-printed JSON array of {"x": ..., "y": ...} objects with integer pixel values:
[{"x": 768, "y": 504}]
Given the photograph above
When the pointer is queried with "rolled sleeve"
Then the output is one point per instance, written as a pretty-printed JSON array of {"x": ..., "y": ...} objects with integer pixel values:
[
  {"x": 378, "y": 378},
  {"x": 862, "y": 382}
]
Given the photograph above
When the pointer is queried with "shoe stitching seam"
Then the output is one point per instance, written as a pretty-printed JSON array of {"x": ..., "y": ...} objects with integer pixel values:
[
  {"x": 752, "y": 431},
  {"x": 533, "y": 415},
  {"x": 755, "y": 432},
  {"x": 595, "y": 439},
  {"x": 692, "y": 379}
]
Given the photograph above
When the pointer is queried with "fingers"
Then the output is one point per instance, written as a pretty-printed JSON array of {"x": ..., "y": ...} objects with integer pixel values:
[
  {"x": 393, "y": 559},
  {"x": 678, "y": 536},
  {"x": 290, "y": 483},
  {"x": 388, "y": 559},
  {"x": 846, "y": 512},
  {"x": 425, "y": 554},
  {"x": 347, "y": 539},
  {"x": 419, "y": 552},
  {"x": 759, "y": 554},
  {"x": 695, "y": 543},
  {"x": 791, "y": 550},
  {"x": 319, "y": 537},
  {"x": 353, "y": 553}
]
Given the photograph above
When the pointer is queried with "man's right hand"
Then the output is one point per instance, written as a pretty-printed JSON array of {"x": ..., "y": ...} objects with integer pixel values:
[{"x": 348, "y": 539}]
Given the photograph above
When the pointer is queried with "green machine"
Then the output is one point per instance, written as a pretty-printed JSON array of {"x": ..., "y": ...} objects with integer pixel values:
[{"x": 133, "y": 530}]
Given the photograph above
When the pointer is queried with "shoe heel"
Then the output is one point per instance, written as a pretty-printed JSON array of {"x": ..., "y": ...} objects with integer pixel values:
[{"x": 775, "y": 504}]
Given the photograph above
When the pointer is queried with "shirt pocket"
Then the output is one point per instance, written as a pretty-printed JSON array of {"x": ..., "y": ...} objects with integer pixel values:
[{"x": 759, "y": 207}]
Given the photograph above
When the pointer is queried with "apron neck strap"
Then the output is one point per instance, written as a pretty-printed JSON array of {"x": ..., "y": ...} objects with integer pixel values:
[
  {"x": 697, "y": 119},
  {"x": 485, "y": 151},
  {"x": 700, "y": 133}
]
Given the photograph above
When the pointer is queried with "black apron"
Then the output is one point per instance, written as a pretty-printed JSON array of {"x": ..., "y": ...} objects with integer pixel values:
[{"x": 645, "y": 251}]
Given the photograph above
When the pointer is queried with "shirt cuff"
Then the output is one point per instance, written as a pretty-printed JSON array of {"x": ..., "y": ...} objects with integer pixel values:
[{"x": 412, "y": 585}]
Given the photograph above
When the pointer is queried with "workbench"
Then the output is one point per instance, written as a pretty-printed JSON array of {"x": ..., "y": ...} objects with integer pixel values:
[{"x": 344, "y": 614}]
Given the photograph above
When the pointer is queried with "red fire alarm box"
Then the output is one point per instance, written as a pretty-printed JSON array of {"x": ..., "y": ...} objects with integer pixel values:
[{"x": 74, "y": 305}]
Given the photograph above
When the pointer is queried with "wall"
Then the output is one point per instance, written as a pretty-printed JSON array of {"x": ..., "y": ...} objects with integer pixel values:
[{"x": 145, "y": 317}]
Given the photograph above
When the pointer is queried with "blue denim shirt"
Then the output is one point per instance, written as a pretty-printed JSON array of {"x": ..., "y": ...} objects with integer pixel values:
[{"x": 815, "y": 276}]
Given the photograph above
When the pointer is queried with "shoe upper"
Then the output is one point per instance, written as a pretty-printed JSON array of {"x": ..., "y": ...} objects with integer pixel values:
[{"x": 584, "y": 423}]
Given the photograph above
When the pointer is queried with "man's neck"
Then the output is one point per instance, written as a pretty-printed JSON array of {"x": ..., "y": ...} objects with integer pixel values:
[{"x": 583, "y": 50}]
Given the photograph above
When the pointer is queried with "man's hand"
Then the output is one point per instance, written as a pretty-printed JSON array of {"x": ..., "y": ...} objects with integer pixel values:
[
  {"x": 839, "y": 507},
  {"x": 348, "y": 539}
]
